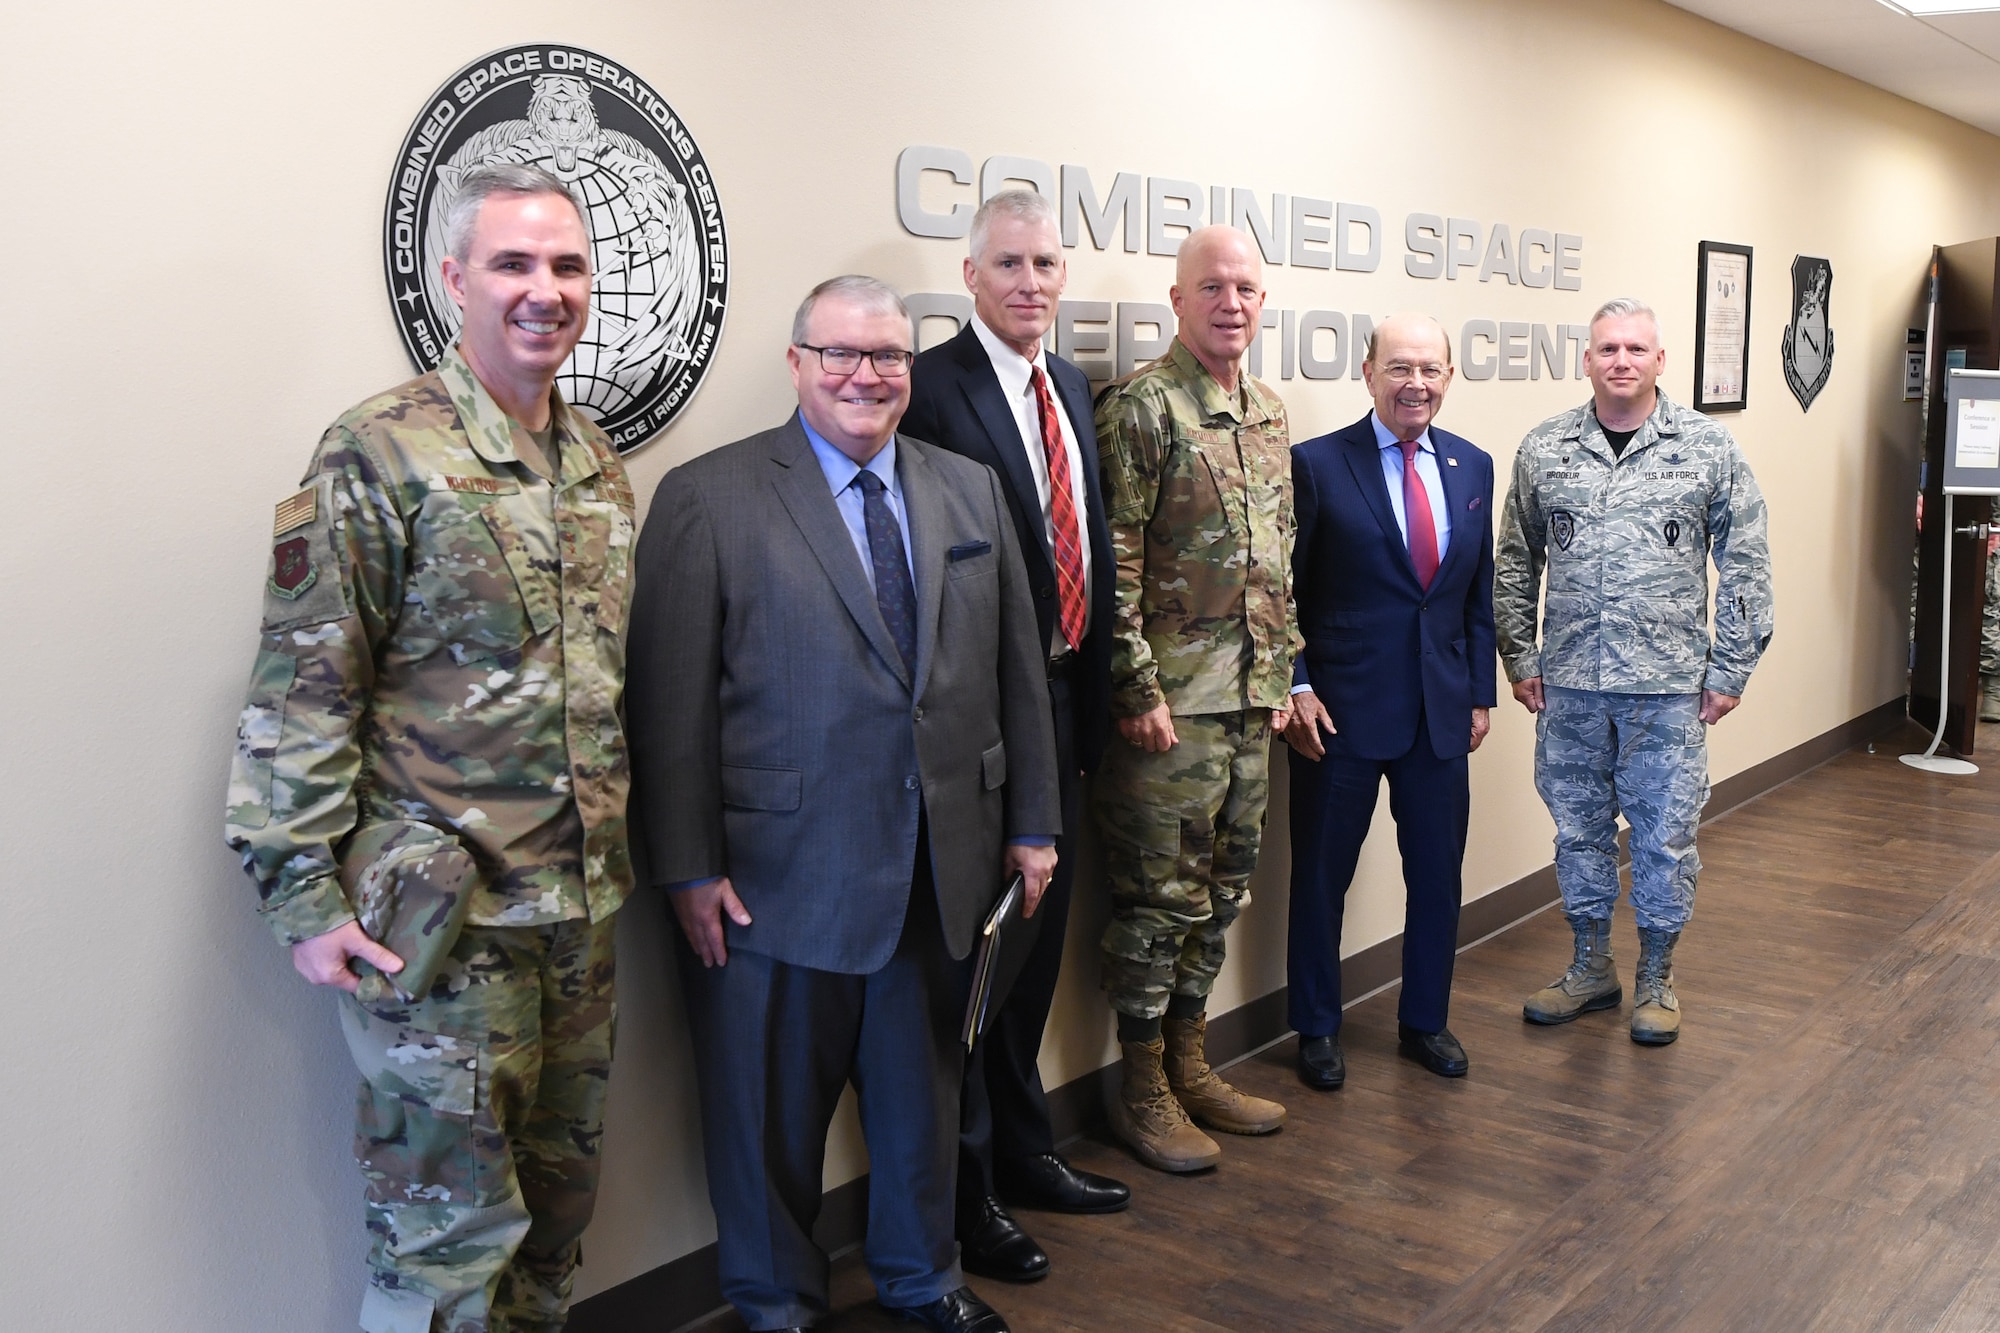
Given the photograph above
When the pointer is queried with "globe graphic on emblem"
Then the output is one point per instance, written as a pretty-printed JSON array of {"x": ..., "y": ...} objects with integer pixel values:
[
  {"x": 658, "y": 284},
  {"x": 628, "y": 282}
]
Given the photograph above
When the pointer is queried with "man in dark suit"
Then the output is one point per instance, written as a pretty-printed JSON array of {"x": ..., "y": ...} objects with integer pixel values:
[
  {"x": 1394, "y": 576},
  {"x": 842, "y": 746},
  {"x": 993, "y": 394}
]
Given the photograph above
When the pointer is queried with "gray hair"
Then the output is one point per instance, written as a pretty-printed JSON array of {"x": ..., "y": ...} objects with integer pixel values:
[
  {"x": 1627, "y": 307},
  {"x": 481, "y": 183},
  {"x": 1022, "y": 205},
  {"x": 1368, "y": 348},
  {"x": 870, "y": 294}
]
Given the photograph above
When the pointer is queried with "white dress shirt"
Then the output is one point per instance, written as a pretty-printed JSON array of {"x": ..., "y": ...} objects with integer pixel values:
[{"x": 1015, "y": 374}]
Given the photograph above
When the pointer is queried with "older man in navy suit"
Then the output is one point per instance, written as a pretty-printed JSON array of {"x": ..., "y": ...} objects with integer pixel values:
[{"x": 1394, "y": 565}]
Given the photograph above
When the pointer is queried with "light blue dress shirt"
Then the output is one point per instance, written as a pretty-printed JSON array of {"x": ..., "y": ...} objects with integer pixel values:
[
  {"x": 1427, "y": 473},
  {"x": 840, "y": 473}
]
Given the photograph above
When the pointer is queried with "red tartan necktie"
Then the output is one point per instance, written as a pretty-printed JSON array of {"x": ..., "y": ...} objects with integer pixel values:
[
  {"x": 1417, "y": 518},
  {"x": 1062, "y": 515}
]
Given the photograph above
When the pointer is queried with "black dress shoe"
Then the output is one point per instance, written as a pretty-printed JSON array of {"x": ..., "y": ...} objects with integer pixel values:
[
  {"x": 1438, "y": 1052},
  {"x": 1050, "y": 1183},
  {"x": 992, "y": 1244},
  {"x": 954, "y": 1312},
  {"x": 1321, "y": 1065}
]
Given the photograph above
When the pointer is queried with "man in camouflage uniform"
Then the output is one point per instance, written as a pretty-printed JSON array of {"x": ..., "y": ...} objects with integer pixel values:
[
  {"x": 1197, "y": 487},
  {"x": 1623, "y": 500},
  {"x": 434, "y": 712}
]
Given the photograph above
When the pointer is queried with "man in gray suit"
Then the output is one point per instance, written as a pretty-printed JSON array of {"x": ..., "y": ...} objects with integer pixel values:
[{"x": 841, "y": 748}]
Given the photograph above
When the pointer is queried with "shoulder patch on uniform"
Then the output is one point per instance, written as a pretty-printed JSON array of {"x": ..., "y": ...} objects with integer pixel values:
[
  {"x": 482, "y": 485},
  {"x": 292, "y": 569},
  {"x": 296, "y": 511}
]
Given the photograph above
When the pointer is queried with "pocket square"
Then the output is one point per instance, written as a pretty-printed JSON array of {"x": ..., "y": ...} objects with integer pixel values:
[{"x": 966, "y": 550}]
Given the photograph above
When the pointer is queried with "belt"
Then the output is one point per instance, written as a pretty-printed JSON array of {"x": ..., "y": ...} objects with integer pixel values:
[{"x": 1062, "y": 668}]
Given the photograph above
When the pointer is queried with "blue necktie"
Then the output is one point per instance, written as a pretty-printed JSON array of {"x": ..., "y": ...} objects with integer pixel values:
[{"x": 894, "y": 593}]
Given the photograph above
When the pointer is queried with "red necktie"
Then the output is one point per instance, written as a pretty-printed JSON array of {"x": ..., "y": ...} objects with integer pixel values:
[
  {"x": 1062, "y": 515},
  {"x": 1417, "y": 518}
]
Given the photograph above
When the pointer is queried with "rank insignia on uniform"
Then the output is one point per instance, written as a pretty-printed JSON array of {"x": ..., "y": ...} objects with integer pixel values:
[
  {"x": 296, "y": 511},
  {"x": 1672, "y": 531},
  {"x": 1562, "y": 527},
  {"x": 292, "y": 569}
]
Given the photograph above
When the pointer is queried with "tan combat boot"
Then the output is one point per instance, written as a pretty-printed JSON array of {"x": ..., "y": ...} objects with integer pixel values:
[
  {"x": 1148, "y": 1120},
  {"x": 1989, "y": 697},
  {"x": 1206, "y": 1097},
  {"x": 1591, "y": 982},
  {"x": 1656, "y": 1011}
]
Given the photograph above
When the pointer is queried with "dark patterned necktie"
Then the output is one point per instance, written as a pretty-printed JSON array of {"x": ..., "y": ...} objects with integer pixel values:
[{"x": 894, "y": 593}]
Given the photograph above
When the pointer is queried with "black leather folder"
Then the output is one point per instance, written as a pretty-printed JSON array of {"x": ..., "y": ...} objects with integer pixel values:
[{"x": 1003, "y": 949}]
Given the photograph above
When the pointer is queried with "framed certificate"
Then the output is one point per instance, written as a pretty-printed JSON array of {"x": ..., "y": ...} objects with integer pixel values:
[{"x": 1722, "y": 328}]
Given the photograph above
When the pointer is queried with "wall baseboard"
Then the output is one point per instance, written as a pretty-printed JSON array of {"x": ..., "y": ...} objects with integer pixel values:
[{"x": 686, "y": 1296}]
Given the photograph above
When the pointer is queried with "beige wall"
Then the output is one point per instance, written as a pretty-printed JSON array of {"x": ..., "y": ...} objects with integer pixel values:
[{"x": 195, "y": 291}]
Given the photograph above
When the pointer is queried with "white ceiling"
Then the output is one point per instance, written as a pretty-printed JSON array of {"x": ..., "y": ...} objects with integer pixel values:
[{"x": 1947, "y": 62}]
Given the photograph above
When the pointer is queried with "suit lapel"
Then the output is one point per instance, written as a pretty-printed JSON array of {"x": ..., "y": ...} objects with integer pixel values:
[
  {"x": 1454, "y": 486},
  {"x": 801, "y": 487},
  {"x": 1076, "y": 402},
  {"x": 925, "y": 505},
  {"x": 989, "y": 404},
  {"x": 1364, "y": 459}
]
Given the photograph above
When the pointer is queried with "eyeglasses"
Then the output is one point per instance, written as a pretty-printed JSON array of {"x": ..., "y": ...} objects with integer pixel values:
[
  {"x": 888, "y": 361},
  {"x": 1402, "y": 372}
]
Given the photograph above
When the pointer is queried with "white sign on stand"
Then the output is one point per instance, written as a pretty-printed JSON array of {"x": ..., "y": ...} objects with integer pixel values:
[
  {"x": 1978, "y": 446},
  {"x": 1971, "y": 467}
]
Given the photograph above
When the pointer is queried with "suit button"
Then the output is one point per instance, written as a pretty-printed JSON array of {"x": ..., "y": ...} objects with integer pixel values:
[
  {"x": 909, "y": 784},
  {"x": 918, "y": 715},
  {"x": 1045, "y": 593}
]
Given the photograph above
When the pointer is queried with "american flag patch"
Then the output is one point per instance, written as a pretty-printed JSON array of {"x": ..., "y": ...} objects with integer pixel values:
[{"x": 296, "y": 511}]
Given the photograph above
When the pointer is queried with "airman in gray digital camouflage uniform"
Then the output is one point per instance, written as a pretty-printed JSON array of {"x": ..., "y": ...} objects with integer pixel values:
[
  {"x": 1198, "y": 492},
  {"x": 1623, "y": 501},
  {"x": 435, "y": 710}
]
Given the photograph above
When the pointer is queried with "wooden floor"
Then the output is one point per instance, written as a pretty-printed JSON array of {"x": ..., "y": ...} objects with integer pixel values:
[{"x": 1818, "y": 1151}]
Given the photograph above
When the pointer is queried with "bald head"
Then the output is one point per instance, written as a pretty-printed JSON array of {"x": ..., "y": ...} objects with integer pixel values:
[
  {"x": 1408, "y": 328},
  {"x": 1218, "y": 297},
  {"x": 1203, "y": 244}
]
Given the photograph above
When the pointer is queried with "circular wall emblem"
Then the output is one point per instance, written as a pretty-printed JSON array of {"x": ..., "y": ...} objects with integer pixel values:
[{"x": 660, "y": 258}]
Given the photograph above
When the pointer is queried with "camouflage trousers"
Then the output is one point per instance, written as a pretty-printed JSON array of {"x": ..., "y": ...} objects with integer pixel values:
[
  {"x": 1599, "y": 754},
  {"x": 477, "y": 1127},
  {"x": 1181, "y": 831}
]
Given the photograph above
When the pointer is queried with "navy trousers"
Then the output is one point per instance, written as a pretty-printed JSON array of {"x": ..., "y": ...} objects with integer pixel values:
[
  {"x": 1332, "y": 804},
  {"x": 774, "y": 1046}
]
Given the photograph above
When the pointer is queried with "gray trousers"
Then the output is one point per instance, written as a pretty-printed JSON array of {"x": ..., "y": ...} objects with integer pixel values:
[{"x": 1644, "y": 755}]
